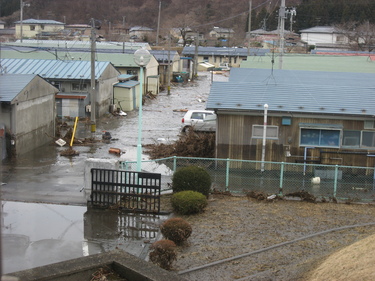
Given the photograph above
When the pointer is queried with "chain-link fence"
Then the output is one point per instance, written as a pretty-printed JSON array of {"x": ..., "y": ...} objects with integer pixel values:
[{"x": 348, "y": 183}]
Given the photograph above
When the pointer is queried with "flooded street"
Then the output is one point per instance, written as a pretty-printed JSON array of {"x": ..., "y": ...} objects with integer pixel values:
[{"x": 44, "y": 214}]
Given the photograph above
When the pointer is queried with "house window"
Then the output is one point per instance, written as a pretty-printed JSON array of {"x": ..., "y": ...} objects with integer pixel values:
[
  {"x": 351, "y": 138},
  {"x": 131, "y": 72},
  {"x": 320, "y": 137},
  {"x": 79, "y": 86},
  {"x": 358, "y": 139},
  {"x": 368, "y": 124},
  {"x": 42, "y": 26},
  {"x": 368, "y": 139},
  {"x": 205, "y": 58},
  {"x": 32, "y": 27},
  {"x": 272, "y": 132}
]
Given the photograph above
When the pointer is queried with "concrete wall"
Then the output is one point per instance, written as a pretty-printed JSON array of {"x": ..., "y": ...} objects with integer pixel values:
[
  {"x": 104, "y": 88},
  {"x": 33, "y": 115}
]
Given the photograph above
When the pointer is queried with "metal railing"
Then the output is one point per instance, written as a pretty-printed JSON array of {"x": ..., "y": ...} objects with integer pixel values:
[
  {"x": 128, "y": 190},
  {"x": 347, "y": 183}
]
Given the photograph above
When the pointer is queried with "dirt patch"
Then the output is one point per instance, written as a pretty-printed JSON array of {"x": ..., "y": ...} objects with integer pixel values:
[{"x": 233, "y": 226}]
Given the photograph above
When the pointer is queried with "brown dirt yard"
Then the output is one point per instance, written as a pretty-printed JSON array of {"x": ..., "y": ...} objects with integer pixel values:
[{"x": 241, "y": 238}]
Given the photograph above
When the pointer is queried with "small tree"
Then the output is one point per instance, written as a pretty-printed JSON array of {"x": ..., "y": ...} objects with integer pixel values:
[
  {"x": 188, "y": 202},
  {"x": 176, "y": 229},
  {"x": 163, "y": 253},
  {"x": 192, "y": 178}
]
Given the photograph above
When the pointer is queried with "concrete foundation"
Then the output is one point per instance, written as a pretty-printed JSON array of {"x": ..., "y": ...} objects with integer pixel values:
[{"x": 117, "y": 262}]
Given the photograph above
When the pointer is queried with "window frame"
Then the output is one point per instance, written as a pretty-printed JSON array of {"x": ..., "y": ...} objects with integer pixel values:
[
  {"x": 255, "y": 128},
  {"x": 320, "y": 128}
]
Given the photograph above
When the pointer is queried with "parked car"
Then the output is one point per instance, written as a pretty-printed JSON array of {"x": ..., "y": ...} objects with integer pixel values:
[{"x": 199, "y": 120}]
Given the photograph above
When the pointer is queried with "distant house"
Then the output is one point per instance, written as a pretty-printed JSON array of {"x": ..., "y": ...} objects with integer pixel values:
[
  {"x": 313, "y": 116},
  {"x": 27, "y": 115},
  {"x": 140, "y": 33},
  {"x": 220, "y": 55},
  {"x": 327, "y": 36},
  {"x": 32, "y": 28},
  {"x": 73, "y": 79},
  {"x": 78, "y": 31},
  {"x": 167, "y": 59},
  {"x": 221, "y": 33}
]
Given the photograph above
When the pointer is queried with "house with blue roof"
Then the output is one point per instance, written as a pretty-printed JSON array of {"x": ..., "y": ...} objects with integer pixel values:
[
  {"x": 27, "y": 113},
  {"x": 312, "y": 116},
  {"x": 73, "y": 79}
]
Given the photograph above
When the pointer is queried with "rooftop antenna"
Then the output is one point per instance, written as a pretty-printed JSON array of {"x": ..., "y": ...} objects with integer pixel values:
[{"x": 272, "y": 63}]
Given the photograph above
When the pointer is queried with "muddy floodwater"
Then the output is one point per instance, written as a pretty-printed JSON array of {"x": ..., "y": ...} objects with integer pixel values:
[{"x": 45, "y": 218}]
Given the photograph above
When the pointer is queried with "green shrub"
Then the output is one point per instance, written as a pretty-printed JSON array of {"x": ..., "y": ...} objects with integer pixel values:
[
  {"x": 192, "y": 178},
  {"x": 188, "y": 202},
  {"x": 176, "y": 229},
  {"x": 163, "y": 253}
]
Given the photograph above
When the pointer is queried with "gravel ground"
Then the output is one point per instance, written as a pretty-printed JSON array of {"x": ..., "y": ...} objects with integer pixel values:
[{"x": 234, "y": 225}]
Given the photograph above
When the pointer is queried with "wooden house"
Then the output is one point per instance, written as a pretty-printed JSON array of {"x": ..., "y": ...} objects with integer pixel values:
[{"x": 312, "y": 116}]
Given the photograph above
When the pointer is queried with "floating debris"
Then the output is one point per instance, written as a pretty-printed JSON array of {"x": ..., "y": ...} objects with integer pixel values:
[
  {"x": 115, "y": 151},
  {"x": 69, "y": 152}
]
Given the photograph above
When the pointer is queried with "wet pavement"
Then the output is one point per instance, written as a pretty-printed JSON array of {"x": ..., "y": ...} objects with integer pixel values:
[{"x": 45, "y": 218}]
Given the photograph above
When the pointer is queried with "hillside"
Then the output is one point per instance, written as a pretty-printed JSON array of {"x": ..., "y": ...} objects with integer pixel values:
[{"x": 201, "y": 15}]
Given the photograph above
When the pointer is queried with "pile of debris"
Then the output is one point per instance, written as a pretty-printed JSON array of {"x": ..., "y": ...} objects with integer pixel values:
[{"x": 192, "y": 144}]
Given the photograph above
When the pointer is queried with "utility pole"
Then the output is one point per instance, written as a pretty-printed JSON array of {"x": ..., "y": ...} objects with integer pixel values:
[
  {"x": 293, "y": 12},
  {"x": 195, "y": 72},
  {"x": 21, "y": 21},
  {"x": 249, "y": 28},
  {"x": 157, "y": 32},
  {"x": 169, "y": 64},
  {"x": 281, "y": 31},
  {"x": 21, "y": 17},
  {"x": 92, "y": 85},
  {"x": 123, "y": 38}
]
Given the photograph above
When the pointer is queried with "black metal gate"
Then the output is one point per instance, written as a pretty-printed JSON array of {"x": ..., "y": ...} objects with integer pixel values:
[{"x": 125, "y": 190}]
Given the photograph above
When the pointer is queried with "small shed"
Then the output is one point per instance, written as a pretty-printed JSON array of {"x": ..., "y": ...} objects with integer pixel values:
[
  {"x": 27, "y": 113},
  {"x": 125, "y": 96}
]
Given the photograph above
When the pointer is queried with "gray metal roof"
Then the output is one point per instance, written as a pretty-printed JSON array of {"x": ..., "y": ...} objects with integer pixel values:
[
  {"x": 284, "y": 76},
  {"x": 349, "y": 94},
  {"x": 54, "y": 69},
  {"x": 321, "y": 29},
  {"x": 127, "y": 84},
  {"x": 12, "y": 85},
  {"x": 222, "y": 51},
  {"x": 162, "y": 55},
  {"x": 35, "y": 21}
]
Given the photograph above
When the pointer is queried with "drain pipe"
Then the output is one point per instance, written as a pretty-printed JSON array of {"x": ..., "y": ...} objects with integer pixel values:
[{"x": 264, "y": 137}]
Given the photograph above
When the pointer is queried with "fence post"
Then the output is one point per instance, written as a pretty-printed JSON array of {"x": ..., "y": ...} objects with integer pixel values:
[
  {"x": 227, "y": 176},
  {"x": 281, "y": 179},
  {"x": 174, "y": 163},
  {"x": 335, "y": 181}
]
